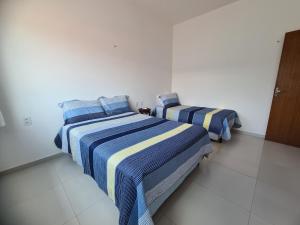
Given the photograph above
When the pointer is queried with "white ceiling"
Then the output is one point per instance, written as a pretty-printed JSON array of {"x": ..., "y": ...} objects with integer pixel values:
[{"x": 177, "y": 11}]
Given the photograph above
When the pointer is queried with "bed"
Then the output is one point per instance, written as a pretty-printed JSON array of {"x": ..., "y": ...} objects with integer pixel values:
[
  {"x": 137, "y": 160},
  {"x": 218, "y": 122}
]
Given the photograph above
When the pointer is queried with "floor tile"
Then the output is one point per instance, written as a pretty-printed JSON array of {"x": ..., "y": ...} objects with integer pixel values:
[
  {"x": 65, "y": 168},
  {"x": 280, "y": 154},
  {"x": 228, "y": 183},
  {"x": 51, "y": 209},
  {"x": 26, "y": 184},
  {"x": 255, "y": 220},
  {"x": 275, "y": 205},
  {"x": 161, "y": 212},
  {"x": 103, "y": 212},
  {"x": 82, "y": 192},
  {"x": 282, "y": 177},
  {"x": 192, "y": 203},
  {"x": 242, "y": 154},
  {"x": 244, "y": 173},
  {"x": 165, "y": 221},
  {"x": 73, "y": 221}
]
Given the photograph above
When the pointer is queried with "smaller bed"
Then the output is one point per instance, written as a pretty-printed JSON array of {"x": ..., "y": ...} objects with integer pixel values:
[{"x": 218, "y": 122}]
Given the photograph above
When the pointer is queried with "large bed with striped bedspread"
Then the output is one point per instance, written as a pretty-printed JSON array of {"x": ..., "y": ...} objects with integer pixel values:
[
  {"x": 136, "y": 159},
  {"x": 217, "y": 122}
]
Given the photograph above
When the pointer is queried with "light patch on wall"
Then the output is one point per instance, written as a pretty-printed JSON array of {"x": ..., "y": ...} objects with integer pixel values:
[
  {"x": 53, "y": 51},
  {"x": 229, "y": 57}
]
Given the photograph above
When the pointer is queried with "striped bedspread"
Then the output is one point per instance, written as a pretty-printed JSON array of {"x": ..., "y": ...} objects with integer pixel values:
[
  {"x": 217, "y": 122},
  {"x": 136, "y": 159}
]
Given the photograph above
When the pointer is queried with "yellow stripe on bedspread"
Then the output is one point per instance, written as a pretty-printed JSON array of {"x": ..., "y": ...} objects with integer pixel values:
[
  {"x": 208, "y": 117},
  {"x": 118, "y": 157}
]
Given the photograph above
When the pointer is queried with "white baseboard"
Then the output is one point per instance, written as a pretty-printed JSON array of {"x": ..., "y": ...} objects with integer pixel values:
[
  {"x": 30, "y": 164},
  {"x": 248, "y": 133},
  {"x": 24, "y": 166}
]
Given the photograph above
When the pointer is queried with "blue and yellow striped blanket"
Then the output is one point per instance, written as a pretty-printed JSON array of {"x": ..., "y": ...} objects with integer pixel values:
[
  {"x": 217, "y": 122},
  {"x": 136, "y": 159}
]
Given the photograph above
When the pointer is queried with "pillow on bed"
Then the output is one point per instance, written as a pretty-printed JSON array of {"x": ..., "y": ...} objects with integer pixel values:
[
  {"x": 115, "y": 105},
  {"x": 168, "y": 100},
  {"x": 75, "y": 111}
]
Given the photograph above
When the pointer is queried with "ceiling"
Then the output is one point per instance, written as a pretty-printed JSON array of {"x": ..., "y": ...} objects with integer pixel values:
[{"x": 177, "y": 11}]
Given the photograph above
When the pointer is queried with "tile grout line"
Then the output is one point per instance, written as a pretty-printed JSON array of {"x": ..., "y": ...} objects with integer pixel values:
[
  {"x": 67, "y": 197},
  {"x": 75, "y": 214},
  {"x": 217, "y": 194},
  {"x": 256, "y": 180},
  {"x": 233, "y": 169},
  {"x": 234, "y": 203},
  {"x": 220, "y": 196},
  {"x": 30, "y": 164},
  {"x": 39, "y": 195},
  {"x": 83, "y": 210}
]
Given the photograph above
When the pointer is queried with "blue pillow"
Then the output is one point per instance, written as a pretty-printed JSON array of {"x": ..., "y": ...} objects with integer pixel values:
[
  {"x": 168, "y": 100},
  {"x": 115, "y": 105},
  {"x": 77, "y": 111}
]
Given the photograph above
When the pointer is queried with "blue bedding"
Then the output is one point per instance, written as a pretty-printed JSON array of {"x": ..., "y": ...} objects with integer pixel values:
[
  {"x": 217, "y": 122},
  {"x": 137, "y": 160}
]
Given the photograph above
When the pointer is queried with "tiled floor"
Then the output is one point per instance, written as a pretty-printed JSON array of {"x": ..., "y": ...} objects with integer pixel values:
[{"x": 247, "y": 181}]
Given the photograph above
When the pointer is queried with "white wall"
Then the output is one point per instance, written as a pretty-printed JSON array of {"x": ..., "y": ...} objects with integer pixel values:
[
  {"x": 52, "y": 51},
  {"x": 229, "y": 57}
]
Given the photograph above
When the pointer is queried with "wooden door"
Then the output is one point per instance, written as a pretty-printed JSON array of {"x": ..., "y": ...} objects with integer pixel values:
[{"x": 284, "y": 120}]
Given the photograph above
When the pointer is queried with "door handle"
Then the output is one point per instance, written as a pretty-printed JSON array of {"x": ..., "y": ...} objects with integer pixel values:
[{"x": 277, "y": 91}]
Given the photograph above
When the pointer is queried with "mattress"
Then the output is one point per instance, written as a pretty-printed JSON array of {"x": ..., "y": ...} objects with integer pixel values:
[
  {"x": 218, "y": 122},
  {"x": 137, "y": 160}
]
